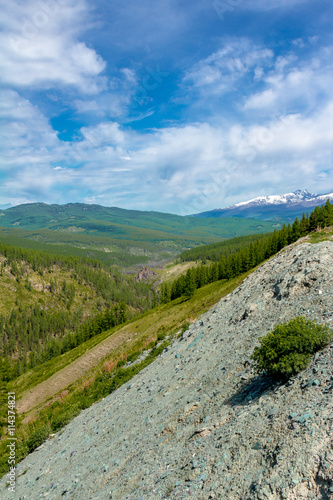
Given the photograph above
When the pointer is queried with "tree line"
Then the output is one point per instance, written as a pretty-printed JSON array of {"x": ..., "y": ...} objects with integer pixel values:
[
  {"x": 230, "y": 263},
  {"x": 37, "y": 336},
  {"x": 31, "y": 334},
  {"x": 214, "y": 251},
  {"x": 79, "y": 299},
  {"x": 106, "y": 281}
]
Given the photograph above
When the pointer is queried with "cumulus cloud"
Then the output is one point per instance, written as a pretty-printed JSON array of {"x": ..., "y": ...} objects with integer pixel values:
[
  {"x": 114, "y": 101},
  {"x": 281, "y": 131},
  {"x": 28, "y": 136},
  {"x": 195, "y": 167},
  {"x": 181, "y": 169},
  {"x": 40, "y": 46},
  {"x": 294, "y": 85},
  {"x": 103, "y": 134}
]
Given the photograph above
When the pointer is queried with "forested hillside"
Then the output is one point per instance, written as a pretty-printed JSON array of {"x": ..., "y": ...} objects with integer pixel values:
[
  {"x": 230, "y": 261},
  {"x": 113, "y": 235},
  {"x": 215, "y": 251},
  {"x": 50, "y": 304}
]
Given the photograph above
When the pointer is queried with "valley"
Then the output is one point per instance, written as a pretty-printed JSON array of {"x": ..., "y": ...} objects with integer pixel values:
[
  {"x": 75, "y": 330},
  {"x": 200, "y": 408},
  {"x": 122, "y": 237},
  {"x": 166, "y": 250}
]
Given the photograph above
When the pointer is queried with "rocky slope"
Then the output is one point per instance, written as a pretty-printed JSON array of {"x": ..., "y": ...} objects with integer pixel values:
[{"x": 198, "y": 423}]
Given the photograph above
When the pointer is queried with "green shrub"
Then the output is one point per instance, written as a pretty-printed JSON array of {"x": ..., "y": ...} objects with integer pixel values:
[
  {"x": 150, "y": 345},
  {"x": 134, "y": 356},
  {"x": 121, "y": 363},
  {"x": 185, "y": 326},
  {"x": 288, "y": 348},
  {"x": 37, "y": 437},
  {"x": 63, "y": 418}
]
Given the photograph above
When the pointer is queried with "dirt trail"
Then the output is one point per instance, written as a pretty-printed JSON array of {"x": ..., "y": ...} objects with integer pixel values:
[
  {"x": 128, "y": 335},
  {"x": 72, "y": 372}
]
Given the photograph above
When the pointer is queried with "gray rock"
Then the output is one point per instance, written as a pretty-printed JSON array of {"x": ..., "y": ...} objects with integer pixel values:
[{"x": 238, "y": 437}]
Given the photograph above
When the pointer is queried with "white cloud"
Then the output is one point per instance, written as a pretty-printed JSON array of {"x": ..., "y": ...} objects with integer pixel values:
[
  {"x": 28, "y": 135},
  {"x": 184, "y": 169},
  {"x": 197, "y": 167},
  {"x": 103, "y": 134},
  {"x": 294, "y": 85},
  {"x": 221, "y": 71},
  {"x": 115, "y": 101},
  {"x": 264, "y": 99},
  {"x": 243, "y": 76},
  {"x": 276, "y": 129},
  {"x": 40, "y": 46},
  {"x": 296, "y": 135}
]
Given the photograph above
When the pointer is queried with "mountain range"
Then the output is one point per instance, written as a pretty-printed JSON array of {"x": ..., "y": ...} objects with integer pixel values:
[
  {"x": 285, "y": 206},
  {"x": 115, "y": 235},
  {"x": 129, "y": 237}
]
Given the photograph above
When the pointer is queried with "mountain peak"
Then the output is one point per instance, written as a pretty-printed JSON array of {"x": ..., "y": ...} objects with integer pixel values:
[
  {"x": 282, "y": 206},
  {"x": 299, "y": 195},
  {"x": 304, "y": 194}
]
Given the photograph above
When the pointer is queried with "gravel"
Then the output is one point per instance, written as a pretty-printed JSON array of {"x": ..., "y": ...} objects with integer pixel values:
[{"x": 198, "y": 423}]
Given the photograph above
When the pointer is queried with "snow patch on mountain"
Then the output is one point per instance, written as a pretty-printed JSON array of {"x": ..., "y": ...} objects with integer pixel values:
[{"x": 287, "y": 198}]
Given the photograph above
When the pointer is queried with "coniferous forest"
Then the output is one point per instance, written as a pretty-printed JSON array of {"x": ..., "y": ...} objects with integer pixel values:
[
  {"x": 80, "y": 298},
  {"x": 60, "y": 302},
  {"x": 228, "y": 261}
]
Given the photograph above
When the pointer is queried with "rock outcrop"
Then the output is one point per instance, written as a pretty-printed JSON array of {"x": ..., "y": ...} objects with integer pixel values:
[
  {"x": 145, "y": 274},
  {"x": 198, "y": 423}
]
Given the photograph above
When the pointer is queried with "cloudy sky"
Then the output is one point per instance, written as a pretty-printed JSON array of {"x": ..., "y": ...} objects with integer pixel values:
[{"x": 177, "y": 106}]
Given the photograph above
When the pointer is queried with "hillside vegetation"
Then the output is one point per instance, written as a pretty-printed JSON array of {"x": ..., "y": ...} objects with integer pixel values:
[
  {"x": 198, "y": 422},
  {"x": 231, "y": 261},
  {"x": 44, "y": 351},
  {"x": 51, "y": 304},
  {"x": 114, "y": 235},
  {"x": 48, "y": 405}
]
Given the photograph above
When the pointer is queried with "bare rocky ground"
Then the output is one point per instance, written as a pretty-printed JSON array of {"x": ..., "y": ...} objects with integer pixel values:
[{"x": 198, "y": 423}]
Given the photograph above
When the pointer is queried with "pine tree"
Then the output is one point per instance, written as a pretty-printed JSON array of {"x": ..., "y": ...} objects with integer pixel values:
[
  {"x": 304, "y": 224},
  {"x": 296, "y": 230},
  {"x": 165, "y": 294}
]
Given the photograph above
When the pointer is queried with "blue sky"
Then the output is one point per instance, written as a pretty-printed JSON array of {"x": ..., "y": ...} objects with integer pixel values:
[{"x": 175, "y": 106}]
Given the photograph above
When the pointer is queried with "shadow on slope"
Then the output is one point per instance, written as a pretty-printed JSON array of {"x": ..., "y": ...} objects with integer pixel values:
[{"x": 252, "y": 390}]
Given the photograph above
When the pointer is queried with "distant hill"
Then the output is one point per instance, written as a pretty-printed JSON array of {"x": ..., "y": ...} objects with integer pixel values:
[
  {"x": 79, "y": 217},
  {"x": 125, "y": 237},
  {"x": 277, "y": 207}
]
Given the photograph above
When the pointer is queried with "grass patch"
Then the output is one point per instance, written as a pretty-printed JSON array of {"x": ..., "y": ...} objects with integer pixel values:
[
  {"x": 44, "y": 371},
  {"x": 157, "y": 321},
  {"x": 59, "y": 413},
  {"x": 324, "y": 235}
]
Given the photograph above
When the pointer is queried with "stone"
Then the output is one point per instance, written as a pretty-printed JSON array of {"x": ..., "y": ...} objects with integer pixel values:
[{"x": 218, "y": 445}]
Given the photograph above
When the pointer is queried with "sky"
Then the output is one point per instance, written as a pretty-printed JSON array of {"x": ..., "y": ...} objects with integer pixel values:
[{"x": 177, "y": 106}]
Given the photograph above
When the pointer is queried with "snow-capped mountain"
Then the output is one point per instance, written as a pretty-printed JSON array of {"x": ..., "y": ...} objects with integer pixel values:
[
  {"x": 296, "y": 197},
  {"x": 284, "y": 206}
]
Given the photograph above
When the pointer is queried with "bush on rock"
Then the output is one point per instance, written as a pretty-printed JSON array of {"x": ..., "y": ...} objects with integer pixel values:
[{"x": 288, "y": 348}]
